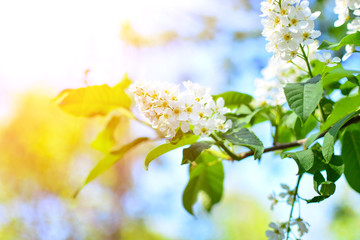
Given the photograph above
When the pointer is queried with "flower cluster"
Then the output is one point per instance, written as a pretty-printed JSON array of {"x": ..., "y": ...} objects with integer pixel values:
[
  {"x": 278, "y": 230},
  {"x": 342, "y": 9},
  {"x": 287, "y": 24},
  {"x": 168, "y": 109},
  {"x": 277, "y": 74}
]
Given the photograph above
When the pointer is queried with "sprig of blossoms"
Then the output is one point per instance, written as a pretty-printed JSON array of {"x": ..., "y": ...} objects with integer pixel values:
[
  {"x": 277, "y": 74},
  {"x": 168, "y": 109},
  {"x": 287, "y": 24},
  {"x": 342, "y": 9}
]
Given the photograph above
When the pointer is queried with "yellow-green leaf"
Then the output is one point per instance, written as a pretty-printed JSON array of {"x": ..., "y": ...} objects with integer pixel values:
[{"x": 94, "y": 100}]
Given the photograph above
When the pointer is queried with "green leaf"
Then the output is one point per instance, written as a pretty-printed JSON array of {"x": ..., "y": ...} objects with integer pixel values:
[
  {"x": 318, "y": 180},
  {"x": 343, "y": 107},
  {"x": 191, "y": 153},
  {"x": 206, "y": 177},
  {"x": 334, "y": 169},
  {"x": 326, "y": 107},
  {"x": 244, "y": 137},
  {"x": 350, "y": 153},
  {"x": 167, "y": 147},
  {"x": 349, "y": 39},
  {"x": 95, "y": 100},
  {"x": 330, "y": 137},
  {"x": 327, "y": 188},
  {"x": 319, "y": 161},
  {"x": 234, "y": 99},
  {"x": 105, "y": 139},
  {"x": 337, "y": 74},
  {"x": 304, "y": 97},
  {"x": 317, "y": 199},
  {"x": 109, "y": 160},
  {"x": 347, "y": 87},
  {"x": 304, "y": 159}
]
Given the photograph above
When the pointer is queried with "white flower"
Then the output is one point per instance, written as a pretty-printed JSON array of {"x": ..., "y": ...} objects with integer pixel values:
[
  {"x": 273, "y": 199},
  {"x": 326, "y": 58},
  {"x": 288, "y": 25},
  {"x": 290, "y": 194},
  {"x": 167, "y": 109},
  {"x": 302, "y": 226},
  {"x": 349, "y": 49},
  {"x": 277, "y": 233},
  {"x": 354, "y": 26},
  {"x": 342, "y": 9},
  {"x": 276, "y": 74}
]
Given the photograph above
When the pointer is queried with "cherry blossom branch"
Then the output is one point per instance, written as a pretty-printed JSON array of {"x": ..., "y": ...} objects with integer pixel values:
[{"x": 281, "y": 146}]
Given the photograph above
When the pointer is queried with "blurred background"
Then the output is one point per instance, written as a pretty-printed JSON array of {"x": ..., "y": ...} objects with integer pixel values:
[{"x": 47, "y": 46}]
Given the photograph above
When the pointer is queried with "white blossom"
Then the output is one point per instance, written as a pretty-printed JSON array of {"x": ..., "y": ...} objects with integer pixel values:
[
  {"x": 277, "y": 74},
  {"x": 288, "y": 25},
  {"x": 342, "y": 9},
  {"x": 277, "y": 232},
  {"x": 167, "y": 109},
  {"x": 302, "y": 226},
  {"x": 349, "y": 50},
  {"x": 327, "y": 59},
  {"x": 273, "y": 199}
]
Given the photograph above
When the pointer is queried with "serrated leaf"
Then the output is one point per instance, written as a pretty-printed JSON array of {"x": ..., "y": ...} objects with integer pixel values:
[
  {"x": 330, "y": 137},
  {"x": 244, "y": 137},
  {"x": 207, "y": 177},
  {"x": 109, "y": 160},
  {"x": 334, "y": 169},
  {"x": 304, "y": 97},
  {"x": 349, "y": 39},
  {"x": 191, "y": 153},
  {"x": 304, "y": 159},
  {"x": 234, "y": 99},
  {"x": 105, "y": 139},
  {"x": 95, "y": 100},
  {"x": 167, "y": 147},
  {"x": 350, "y": 153}
]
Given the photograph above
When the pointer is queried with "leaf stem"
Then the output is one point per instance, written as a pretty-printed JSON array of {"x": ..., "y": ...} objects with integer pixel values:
[
  {"x": 306, "y": 59},
  {"x": 232, "y": 155},
  {"x": 292, "y": 206}
]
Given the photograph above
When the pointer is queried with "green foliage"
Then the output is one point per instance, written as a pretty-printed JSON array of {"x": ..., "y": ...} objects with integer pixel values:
[
  {"x": 191, "y": 153},
  {"x": 109, "y": 160},
  {"x": 304, "y": 97},
  {"x": 304, "y": 159},
  {"x": 187, "y": 139},
  {"x": 206, "y": 177},
  {"x": 105, "y": 139},
  {"x": 96, "y": 100},
  {"x": 349, "y": 39},
  {"x": 330, "y": 137},
  {"x": 337, "y": 74},
  {"x": 342, "y": 108},
  {"x": 244, "y": 137},
  {"x": 234, "y": 99},
  {"x": 350, "y": 153}
]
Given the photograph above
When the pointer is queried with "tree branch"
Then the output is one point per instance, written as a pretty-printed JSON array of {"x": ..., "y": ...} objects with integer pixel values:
[{"x": 281, "y": 146}]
